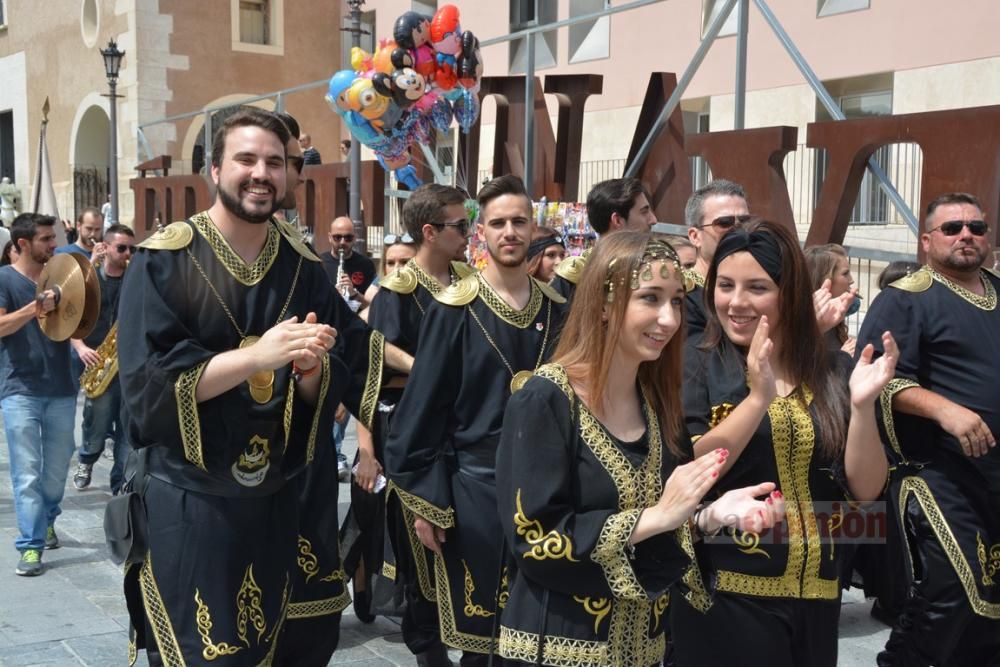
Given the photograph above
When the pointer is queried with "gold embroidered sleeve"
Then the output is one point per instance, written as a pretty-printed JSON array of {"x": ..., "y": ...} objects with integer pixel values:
[
  {"x": 187, "y": 414},
  {"x": 440, "y": 517},
  {"x": 895, "y": 386},
  {"x": 324, "y": 388},
  {"x": 610, "y": 554},
  {"x": 373, "y": 380}
]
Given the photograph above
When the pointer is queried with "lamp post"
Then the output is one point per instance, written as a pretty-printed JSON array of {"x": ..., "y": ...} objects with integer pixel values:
[
  {"x": 112, "y": 63},
  {"x": 354, "y": 192}
]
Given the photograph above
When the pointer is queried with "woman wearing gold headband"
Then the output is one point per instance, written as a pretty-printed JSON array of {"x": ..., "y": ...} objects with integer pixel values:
[
  {"x": 763, "y": 380},
  {"x": 596, "y": 508}
]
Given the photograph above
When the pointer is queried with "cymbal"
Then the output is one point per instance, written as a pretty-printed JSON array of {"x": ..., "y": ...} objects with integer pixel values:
[{"x": 75, "y": 280}]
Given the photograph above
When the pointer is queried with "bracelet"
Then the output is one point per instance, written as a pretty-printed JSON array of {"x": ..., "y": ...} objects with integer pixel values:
[
  {"x": 697, "y": 525},
  {"x": 298, "y": 373}
]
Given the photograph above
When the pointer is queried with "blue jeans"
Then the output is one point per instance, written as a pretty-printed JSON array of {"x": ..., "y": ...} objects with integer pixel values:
[
  {"x": 39, "y": 433},
  {"x": 99, "y": 415},
  {"x": 338, "y": 438}
]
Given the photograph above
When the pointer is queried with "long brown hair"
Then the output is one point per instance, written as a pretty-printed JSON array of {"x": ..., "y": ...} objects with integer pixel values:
[
  {"x": 803, "y": 351},
  {"x": 822, "y": 262},
  {"x": 586, "y": 344},
  {"x": 535, "y": 263}
]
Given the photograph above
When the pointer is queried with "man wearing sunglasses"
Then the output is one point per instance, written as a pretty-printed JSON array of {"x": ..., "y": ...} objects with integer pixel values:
[
  {"x": 102, "y": 413},
  {"x": 710, "y": 212},
  {"x": 358, "y": 271},
  {"x": 942, "y": 428}
]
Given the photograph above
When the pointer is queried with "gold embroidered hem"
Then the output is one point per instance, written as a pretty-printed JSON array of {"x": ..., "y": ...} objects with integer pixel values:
[
  {"x": 442, "y": 518},
  {"x": 156, "y": 616},
  {"x": 247, "y": 274},
  {"x": 521, "y": 319},
  {"x": 557, "y": 651},
  {"x": 325, "y": 607},
  {"x": 894, "y": 386},
  {"x": 369, "y": 398},
  {"x": 419, "y": 552},
  {"x": 187, "y": 414},
  {"x": 324, "y": 387},
  {"x": 918, "y": 488},
  {"x": 450, "y": 634},
  {"x": 987, "y": 301}
]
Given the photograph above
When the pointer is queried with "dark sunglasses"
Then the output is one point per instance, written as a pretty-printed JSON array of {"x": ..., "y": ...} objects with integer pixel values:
[
  {"x": 121, "y": 247},
  {"x": 728, "y": 221},
  {"x": 393, "y": 239},
  {"x": 954, "y": 227},
  {"x": 343, "y": 237},
  {"x": 461, "y": 225}
]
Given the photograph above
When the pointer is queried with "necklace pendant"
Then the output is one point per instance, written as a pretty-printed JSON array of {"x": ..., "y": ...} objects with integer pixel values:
[{"x": 519, "y": 380}]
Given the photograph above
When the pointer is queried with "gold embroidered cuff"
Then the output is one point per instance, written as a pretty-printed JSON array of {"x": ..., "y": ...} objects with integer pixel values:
[
  {"x": 442, "y": 518},
  {"x": 369, "y": 398},
  {"x": 559, "y": 651},
  {"x": 696, "y": 594},
  {"x": 895, "y": 386},
  {"x": 313, "y": 608},
  {"x": 609, "y": 553},
  {"x": 187, "y": 413}
]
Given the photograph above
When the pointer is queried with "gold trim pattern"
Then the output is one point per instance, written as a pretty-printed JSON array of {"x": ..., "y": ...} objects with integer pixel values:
[
  {"x": 249, "y": 609},
  {"x": 989, "y": 560},
  {"x": 450, "y": 634},
  {"x": 402, "y": 281},
  {"x": 156, "y": 613},
  {"x": 389, "y": 571},
  {"x": 335, "y": 575},
  {"x": 203, "y": 619},
  {"x": 609, "y": 553},
  {"x": 373, "y": 380},
  {"x": 596, "y": 607},
  {"x": 986, "y": 302},
  {"x": 462, "y": 269},
  {"x": 187, "y": 414},
  {"x": 549, "y": 292},
  {"x": 521, "y": 319},
  {"x": 419, "y": 552},
  {"x": 748, "y": 543},
  {"x": 307, "y": 560},
  {"x": 918, "y": 488},
  {"x": 324, "y": 607},
  {"x": 324, "y": 387},
  {"x": 294, "y": 238},
  {"x": 429, "y": 282},
  {"x": 472, "y": 609},
  {"x": 916, "y": 281},
  {"x": 543, "y": 545},
  {"x": 442, "y": 518},
  {"x": 719, "y": 412},
  {"x": 696, "y": 594},
  {"x": 246, "y": 274},
  {"x": 175, "y": 236},
  {"x": 556, "y": 651},
  {"x": 660, "y": 606},
  {"x": 894, "y": 386},
  {"x": 133, "y": 652},
  {"x": 695, "y": 278},
  {"x": 460, "y": 292}
]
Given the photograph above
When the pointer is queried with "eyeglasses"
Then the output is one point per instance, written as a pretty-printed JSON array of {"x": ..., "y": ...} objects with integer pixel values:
[
  {"x": 461, "y": 225},
  {"x": 393, "y": 239},
  {"x": 349, "y": 238},
  {"x": 122, "y": 247},
  {"x": 728, "y": 221},
  {"x": 954, "y": 227}
]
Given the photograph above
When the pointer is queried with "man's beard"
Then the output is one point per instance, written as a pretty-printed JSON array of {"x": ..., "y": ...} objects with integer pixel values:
[
  {"x": 965, "y": 263},
  {"x": 234, "y": 205},
  {"x": 41, "y": 257},
  {"x": 508, "y": 261}
]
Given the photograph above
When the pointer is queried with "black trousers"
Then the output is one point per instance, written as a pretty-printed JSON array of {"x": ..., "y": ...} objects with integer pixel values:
[
  {"x": 740, "y": 630},
  {"x": 308, "y": 642}
]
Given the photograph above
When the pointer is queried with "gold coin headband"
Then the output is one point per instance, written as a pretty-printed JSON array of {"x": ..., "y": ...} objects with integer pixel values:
[{"x": 656, "y": 251}]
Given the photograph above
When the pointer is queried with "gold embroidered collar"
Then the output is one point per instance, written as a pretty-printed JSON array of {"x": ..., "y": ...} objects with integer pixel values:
[
  {"x": 248, "y": 274},
  {"x": 429, "y": 282},
  {"x": 518, "y": 318},
  {"x": 987, "y": 301}
]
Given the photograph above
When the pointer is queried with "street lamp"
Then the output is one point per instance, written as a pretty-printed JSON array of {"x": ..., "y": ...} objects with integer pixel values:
[{"x": 112, "y": 63}]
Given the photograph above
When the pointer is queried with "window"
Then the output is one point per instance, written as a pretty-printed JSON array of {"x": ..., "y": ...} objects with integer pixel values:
[
  {"x": 710, "y": 9},
  {"x": 526, "y": 14},
  {"x": 590, "y": 40},
  {"x": 3, "y": 13},
  {"x": 367, "y": 36},
  {"x": 426, "y": 7},
  {"x": 258, "y": 26},
  {"x": 831, "y": 7},
  {"x": 7, "y": 144}
]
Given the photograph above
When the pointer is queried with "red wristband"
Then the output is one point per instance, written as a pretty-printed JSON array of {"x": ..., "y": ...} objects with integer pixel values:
[{"x": 299, "y": 373}]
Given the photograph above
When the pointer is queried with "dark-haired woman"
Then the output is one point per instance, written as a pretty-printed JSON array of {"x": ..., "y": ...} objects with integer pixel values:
[
  {"x": 763, "y": 380},
  {"x": 595, "y": 504},
  {"x": 545, "y": 253}
]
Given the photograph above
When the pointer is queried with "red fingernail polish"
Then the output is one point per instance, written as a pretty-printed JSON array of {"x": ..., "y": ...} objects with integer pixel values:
[
  {"x": 770, "y": 501},
  {"x": 715, "y": 474},
  {"x": 777, "y": 494}
]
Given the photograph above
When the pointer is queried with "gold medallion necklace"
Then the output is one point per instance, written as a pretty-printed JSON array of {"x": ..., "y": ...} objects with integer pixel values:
[
  {"x": 261, "y": 383},
  {"x": 518, "y": 379}
]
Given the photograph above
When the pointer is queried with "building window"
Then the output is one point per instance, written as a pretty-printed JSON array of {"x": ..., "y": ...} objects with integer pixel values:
[
  {"x": 831, "y": 7},
  {"x": 590, "y": 40},
  {"x": 526, "y": 14},
  {"x": 7, "y": 144},
  {"x": 258, "y": 26},
  {"x": 712, "y": 8},
  {"x": 3, "y": 13},
  {"x": 367, "y": 36}
]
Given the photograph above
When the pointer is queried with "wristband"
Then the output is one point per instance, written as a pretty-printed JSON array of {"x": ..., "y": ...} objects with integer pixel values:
[{"x": 298, "y": 373}]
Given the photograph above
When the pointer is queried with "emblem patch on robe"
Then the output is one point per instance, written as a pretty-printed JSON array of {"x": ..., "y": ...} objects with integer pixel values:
[{"x": 251, "y": 468}]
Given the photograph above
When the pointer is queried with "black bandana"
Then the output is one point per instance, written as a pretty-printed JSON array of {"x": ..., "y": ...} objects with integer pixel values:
[
  {"x": 539, "y": 245},
  {"x": 760, "y": 244}
]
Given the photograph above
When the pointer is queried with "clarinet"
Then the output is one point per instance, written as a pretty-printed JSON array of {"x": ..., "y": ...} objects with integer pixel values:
[{"x": 344, "y": 290}]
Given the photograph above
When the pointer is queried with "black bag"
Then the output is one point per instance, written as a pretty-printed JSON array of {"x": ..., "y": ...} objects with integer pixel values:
[{"x": 125, "y": 515}]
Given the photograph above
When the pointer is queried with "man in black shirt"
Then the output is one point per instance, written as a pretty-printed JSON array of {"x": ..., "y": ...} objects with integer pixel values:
[
  {"x": 100, "y": 412},
  {"x": 359, "y": 271}
]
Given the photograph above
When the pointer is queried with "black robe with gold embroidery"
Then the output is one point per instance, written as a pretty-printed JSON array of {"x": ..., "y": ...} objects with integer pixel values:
[
  {"x": 569, "y": 497},
  {"x": 799, "y": 559},
  {"x": 222, "y": 519},
  {"x": 695, "y": 317},
  {"x": 949, "y": 343},
  {"x": 441, "y": 452}
]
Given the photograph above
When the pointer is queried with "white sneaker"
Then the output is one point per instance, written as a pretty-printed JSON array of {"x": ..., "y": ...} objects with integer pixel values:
[{"x": 343, "y": 471}]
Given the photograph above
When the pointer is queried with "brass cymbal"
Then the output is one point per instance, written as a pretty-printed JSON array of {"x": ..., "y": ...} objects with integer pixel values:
[{"x": 79, "y": 296}]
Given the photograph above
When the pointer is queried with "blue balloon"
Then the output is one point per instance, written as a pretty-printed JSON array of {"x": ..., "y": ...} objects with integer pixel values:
[{"x": 339, "y": 82}]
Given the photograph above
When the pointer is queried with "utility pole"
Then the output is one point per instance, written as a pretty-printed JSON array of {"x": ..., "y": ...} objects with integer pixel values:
[{"x": 354, "y": 198}]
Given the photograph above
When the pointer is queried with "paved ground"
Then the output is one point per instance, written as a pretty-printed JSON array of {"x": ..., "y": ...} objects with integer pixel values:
[{"x": 74, "y": 614}]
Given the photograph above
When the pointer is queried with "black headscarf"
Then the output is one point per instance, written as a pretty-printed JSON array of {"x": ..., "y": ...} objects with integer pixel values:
[{"x": 759, "y": 243}]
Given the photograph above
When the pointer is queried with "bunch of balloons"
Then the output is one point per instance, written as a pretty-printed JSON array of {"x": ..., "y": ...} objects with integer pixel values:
[{"x": 415, "y": 83}]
